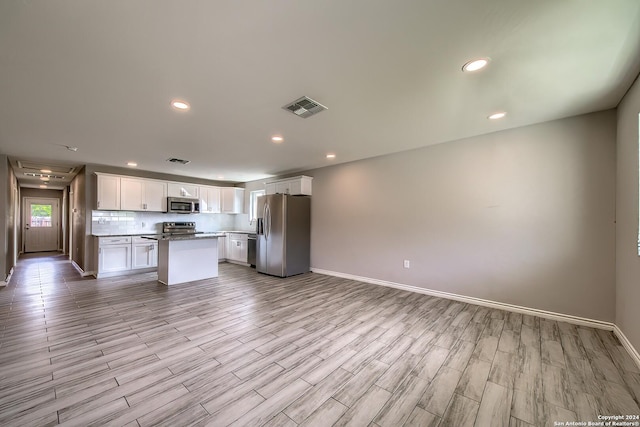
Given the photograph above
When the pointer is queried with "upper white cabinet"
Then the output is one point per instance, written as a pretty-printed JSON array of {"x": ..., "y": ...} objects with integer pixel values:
[
  {"x": 296, "y": 186},
  {"x": 138, "y": 194},
  {"x": 108, "y": 192},
  {"x": 209, "y": 199},
  {"x": 232, "y": 200},
  {"x": 129, "y": 193},
  {"x": 181, "y": 189}
]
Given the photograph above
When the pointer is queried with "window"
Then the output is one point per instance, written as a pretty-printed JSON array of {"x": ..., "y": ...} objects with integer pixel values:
[
  {"x": 253, "y": 204},
  {"x": 40, "y": 215}
]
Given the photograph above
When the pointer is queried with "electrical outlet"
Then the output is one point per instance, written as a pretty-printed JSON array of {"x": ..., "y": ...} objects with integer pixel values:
[{"x": 407, "y": 264}]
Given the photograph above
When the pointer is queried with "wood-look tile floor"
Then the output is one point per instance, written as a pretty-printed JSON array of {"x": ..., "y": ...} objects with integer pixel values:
[{"x": 247, "y": 350}]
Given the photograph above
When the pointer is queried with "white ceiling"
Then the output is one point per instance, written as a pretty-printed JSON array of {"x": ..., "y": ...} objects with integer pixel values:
[{"x": 99, "y": 75}]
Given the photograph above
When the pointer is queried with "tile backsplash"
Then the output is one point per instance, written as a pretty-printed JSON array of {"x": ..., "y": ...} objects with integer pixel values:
[{"x": 123, "y": 222}]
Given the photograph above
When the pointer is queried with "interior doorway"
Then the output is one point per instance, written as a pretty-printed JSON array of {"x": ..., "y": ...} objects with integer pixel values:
[{"x": 41, "y": 224}]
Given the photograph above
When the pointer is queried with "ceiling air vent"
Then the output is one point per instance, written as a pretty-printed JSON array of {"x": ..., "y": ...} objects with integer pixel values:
[
  {"x": 305, "y": 107},
  {"x": 182, "y": 162}
]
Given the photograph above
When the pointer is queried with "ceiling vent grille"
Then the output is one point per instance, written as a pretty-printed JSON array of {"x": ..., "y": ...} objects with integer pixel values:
[
  {"x": 43, "y": 175},
  {"x": 175, "y": 160},
  {"x": 24, "y": 164},
  {"x": 305, "y": 107}
]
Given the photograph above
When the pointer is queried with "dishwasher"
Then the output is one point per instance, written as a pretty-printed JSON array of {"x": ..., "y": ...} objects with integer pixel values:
[{"x": 251, "y": 246}]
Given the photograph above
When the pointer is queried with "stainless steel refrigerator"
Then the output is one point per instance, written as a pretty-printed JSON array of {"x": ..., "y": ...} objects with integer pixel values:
[{"x": 284, "y": 234}]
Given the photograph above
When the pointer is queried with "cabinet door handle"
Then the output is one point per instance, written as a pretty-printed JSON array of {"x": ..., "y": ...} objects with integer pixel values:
[{"x": 98, "y": 203}]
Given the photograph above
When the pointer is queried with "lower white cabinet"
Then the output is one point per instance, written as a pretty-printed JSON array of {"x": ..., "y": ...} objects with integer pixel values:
[
  {"x": 238, "y": 247},
  {"x": 222, "y": 248},
  {"x": 144, "y": 253},
  {"x": 124, "y": 255},
  {"x": 114, "y": 254}
]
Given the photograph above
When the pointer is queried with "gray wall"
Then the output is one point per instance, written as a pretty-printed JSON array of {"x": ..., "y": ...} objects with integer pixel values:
[
  {"x": 627, "y": 260},
  {"x": 524, "y": 216},
  {"x": 5, "y": 208},
  {"x": 77, "y": 206},
  {"x": 8, "y": 202}
]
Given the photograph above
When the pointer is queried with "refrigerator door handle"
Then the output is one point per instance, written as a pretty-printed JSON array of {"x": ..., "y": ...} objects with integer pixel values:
[
  {"x": 268, "y": 220},
  {"x": 262, "y": 222}
]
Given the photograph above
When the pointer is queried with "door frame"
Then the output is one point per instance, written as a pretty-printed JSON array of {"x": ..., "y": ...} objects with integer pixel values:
[{"x": 25, "y": 203}]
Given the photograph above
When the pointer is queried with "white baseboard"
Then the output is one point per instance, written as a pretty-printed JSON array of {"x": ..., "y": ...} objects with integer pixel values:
[
  {"x": 576, "y": 320},
  {"x": 6, "y": 281},
  {"x": 627, "y": 345},
  {"x": 81, "y": 271}
]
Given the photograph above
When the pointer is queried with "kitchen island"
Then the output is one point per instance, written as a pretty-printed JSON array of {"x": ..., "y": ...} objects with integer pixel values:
[{"x": 186, "y": 258}]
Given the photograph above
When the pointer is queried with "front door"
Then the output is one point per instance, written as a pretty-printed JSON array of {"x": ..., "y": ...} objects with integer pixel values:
[{"x": 41, "y": 220}]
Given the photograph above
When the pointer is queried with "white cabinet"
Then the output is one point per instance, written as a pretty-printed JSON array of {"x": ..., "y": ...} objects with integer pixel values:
[
  {"x": 138, "y": 194},
  {"x": 114, "y": 254},
  {"x": 232, "y": 200},
  {"x": 144, "y": 253},
  {"x": 182, "y": 189},
  {"x": 108, "y": 192},
  {"x": 209, "y": 199},
  {"x": 238, "y": 248},
  {"x": 222, "y": 248},
  {"x": 125, "y": 255},
  {"x": 155, "y": 198},
  {"x": 297, "y": 186}
]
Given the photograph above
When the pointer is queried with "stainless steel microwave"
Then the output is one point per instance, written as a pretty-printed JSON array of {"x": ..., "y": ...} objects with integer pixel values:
[{"x": 182, "y": 205}]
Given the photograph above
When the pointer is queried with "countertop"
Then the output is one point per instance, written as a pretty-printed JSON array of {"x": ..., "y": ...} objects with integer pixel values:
[
  {"x": 122, "y": 235},
  {"x": 160, "y": 234},
  {"x": 184, "y": 236}
]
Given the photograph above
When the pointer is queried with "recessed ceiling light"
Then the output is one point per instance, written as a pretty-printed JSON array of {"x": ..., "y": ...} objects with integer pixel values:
[
  {"x": 475, "y": 64},
  {"x": 44, "y": 178},
  {"x": 277, "y": 139},
  {"x": 220, "y": 177},
  {"x": 45, "y": 170},
  {"x": 496, "y": 116},
  {"x": 180, "y": 104},
  {"x": 43, "y": 186},
  {"x": 132, "y": 164},
  {"x": 331, "y": 156}
]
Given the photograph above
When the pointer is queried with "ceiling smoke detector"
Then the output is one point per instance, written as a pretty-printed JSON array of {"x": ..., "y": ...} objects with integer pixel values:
[
  {"x": 305, "y": 107},
  {"x": 175, "y": 160}
]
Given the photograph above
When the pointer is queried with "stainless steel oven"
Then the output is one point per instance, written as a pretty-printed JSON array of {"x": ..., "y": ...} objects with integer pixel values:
[{"x": 182, "y": 205}]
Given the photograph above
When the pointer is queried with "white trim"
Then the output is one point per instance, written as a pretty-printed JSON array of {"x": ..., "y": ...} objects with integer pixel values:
[
  {"x": 81, "y": 271},
  {"x": 6, "y": 281},
  {"x": 576, "y": 320},
  {"x": 627, "y": 345}
]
